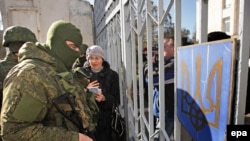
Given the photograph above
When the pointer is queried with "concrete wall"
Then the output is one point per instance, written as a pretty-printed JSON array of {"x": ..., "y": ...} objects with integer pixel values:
[{"x": 39, "y": 14}]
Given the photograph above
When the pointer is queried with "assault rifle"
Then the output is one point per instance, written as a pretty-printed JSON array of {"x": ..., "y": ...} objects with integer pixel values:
[{"x": 73, "y": 115}]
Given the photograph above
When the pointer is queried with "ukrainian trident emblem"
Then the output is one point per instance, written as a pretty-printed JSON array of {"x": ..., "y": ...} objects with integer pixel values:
[{"x": 203, "y": 89}]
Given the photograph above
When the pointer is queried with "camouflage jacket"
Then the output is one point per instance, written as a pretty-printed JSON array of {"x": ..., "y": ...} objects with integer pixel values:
[
  {"x": 6, "y": 64},
  {"x": 31, "y": 87}
]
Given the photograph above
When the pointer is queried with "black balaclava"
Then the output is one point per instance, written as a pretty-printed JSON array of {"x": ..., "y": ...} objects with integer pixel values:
[{"x": 58, "y": 33}]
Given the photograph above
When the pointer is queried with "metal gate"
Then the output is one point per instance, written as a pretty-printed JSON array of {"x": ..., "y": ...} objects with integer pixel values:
[{"x": 125, "y": 27}]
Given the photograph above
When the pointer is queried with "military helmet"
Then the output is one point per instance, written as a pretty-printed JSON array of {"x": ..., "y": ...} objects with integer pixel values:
[{"x": 17, "y": 34}]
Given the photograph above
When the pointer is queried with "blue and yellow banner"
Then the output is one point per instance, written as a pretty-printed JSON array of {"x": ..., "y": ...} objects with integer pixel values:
[{"x": 204, "y": 89}]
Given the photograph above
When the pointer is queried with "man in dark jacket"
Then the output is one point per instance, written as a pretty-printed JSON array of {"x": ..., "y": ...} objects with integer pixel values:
[{"x": 169, "y": 87}]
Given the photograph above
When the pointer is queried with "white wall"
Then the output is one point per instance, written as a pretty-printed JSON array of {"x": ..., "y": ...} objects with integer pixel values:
[{"x": 39, "y": 14}]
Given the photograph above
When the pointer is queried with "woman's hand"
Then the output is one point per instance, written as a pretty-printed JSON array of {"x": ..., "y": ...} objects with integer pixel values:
[
  {"x": 93, "y": 84},
  {"x": 83, "y": 137},
  {"x": 100, "y": 97}
]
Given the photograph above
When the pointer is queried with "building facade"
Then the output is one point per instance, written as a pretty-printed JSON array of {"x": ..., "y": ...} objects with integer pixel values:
[{"x": 223, "y": 16}]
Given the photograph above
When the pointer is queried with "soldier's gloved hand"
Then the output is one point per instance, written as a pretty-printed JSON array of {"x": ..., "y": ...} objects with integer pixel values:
[{"x": 83, "y": 137}]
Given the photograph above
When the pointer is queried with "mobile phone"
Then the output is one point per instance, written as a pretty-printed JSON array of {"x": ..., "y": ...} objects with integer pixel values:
[{"x": 94, "y": 89}]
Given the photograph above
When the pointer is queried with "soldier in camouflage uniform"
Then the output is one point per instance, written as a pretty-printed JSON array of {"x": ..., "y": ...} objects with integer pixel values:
[
  {"x": 82, "y": 59},
  {"x": 43, "y": 101},
  {"x": 13, "y": 38}
]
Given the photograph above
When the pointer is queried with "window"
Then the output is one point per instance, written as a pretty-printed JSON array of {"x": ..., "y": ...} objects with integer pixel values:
[
  {"x": 226, "y": 25},
  {"x": 227, "y": 4}
]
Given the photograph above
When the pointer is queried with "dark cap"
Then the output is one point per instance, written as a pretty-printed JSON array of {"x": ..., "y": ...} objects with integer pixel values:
[{"x": 217, "y": 35}]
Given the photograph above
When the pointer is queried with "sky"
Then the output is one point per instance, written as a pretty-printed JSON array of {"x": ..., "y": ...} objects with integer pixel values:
[
  {"x": 188, "y": 14},
  {"x": 91, "y": 1}
]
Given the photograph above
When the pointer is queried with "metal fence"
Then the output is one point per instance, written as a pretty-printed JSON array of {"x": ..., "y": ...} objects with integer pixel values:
[{"x": 124, "y": 27}]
